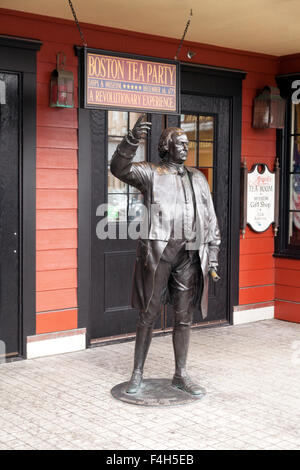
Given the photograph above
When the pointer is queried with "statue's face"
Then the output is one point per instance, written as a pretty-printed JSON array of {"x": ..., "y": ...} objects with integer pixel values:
[{"x": 178, "y": 148}]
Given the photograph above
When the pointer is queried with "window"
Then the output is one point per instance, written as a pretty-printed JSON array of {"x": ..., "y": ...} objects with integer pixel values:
[
  {"x": 123, "y": 200},
  {"x": 288, "y": 240},
  {"x": 294, "y": 183},
  {"x": 200, "y": 132}
]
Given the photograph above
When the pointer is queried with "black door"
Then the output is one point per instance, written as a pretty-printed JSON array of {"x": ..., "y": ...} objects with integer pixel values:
[
  {"x": 206, "y": 121},
  {"x": 9, "y": 213},
  {"x": 113, "y": 256}
]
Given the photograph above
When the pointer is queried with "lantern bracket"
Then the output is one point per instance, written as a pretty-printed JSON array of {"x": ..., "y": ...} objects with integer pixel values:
[{"x": 60, "y": 64}]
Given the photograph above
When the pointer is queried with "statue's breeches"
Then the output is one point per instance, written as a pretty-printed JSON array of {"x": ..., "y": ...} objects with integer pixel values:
[{"x": 175, "y": 282}]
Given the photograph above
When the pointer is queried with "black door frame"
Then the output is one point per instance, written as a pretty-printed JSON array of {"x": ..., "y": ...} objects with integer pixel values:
[
  {"x": 211, "y": 81},
  {"x": 19, "y": 55}
]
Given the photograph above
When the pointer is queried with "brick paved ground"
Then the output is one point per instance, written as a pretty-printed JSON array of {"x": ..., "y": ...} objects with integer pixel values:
[{"x": 251, "y": 373}]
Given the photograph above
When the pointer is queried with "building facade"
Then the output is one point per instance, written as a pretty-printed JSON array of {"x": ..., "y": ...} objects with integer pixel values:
[{"x": 62, "y": 287}]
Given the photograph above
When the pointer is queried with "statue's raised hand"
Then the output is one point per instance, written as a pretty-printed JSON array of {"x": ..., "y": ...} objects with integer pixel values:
[{"x": 141, "y": 127}]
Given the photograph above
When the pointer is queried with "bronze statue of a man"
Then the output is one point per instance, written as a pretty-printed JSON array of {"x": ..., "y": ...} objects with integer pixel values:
[{"x": 180, "y": 247}]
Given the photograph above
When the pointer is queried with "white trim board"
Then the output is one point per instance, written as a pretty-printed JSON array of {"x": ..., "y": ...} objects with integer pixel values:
[
  {"x": 253, "y": 314},
  {"x": 45, "y": 345}
]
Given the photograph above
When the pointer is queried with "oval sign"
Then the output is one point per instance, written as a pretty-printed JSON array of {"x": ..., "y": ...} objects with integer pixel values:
[{"x": 260, "y": 198}]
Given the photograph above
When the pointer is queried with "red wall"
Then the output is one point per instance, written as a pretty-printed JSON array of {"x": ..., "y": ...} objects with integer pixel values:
[
  {"x": 56, "y": 221},
  {"x": 257, "y": 271},
  {"x": 56, "y": 179},
  {"x": 57, "y": 158}
]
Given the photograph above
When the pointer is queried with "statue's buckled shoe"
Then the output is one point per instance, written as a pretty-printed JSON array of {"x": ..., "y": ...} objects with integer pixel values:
[
  {"x": 135, "y": 382},
  {"x": 187, "y": 385}
]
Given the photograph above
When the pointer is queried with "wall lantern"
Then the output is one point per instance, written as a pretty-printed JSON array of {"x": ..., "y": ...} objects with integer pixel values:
[
  {"x": 269, "y": 109},
  {"x": 61, "y": 85}
]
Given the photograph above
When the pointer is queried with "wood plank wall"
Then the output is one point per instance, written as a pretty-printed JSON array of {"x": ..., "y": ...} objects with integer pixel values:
[
  {"x": 56, "y": 195},
  {"x": 257, "y": 269},
  {"x": 57, "y": 159}
]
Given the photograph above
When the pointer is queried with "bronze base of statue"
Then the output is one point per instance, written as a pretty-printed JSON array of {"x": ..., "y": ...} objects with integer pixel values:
[{"x": 156, "y": 392}]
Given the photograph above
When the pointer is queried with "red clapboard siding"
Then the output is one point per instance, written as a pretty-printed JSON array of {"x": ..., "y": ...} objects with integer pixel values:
[
  {"x": 56, "y": 158},
  {"x": 55, "y": 117},
  {"x": 287, "y": 277},
  {"x": 288, "y": 293},
  {"x": 212, "y": 55},
  {"x": 259, "y": 78},
  {"x": 290, "y": 64},
  {"x": 253, "y": 262},
  {"x": 255, "y": 245},
  {"x": 247, "y": 114},
  {"x": 43, "y": 94},
  {"x": 251, "y": 160},
  {"x": 61, "y": 320},
  {"x": 55, "y": 280},
  {"x": 56, "y": 239},
  {"x": 56, "y": 219},
  {"x": 248, "y": 95},
  {"x": 56, "y": 299},
  {"x": 49, "y": 52},
  {"x": 258, "y": 236},
  {"x": 262, "y": 148},
  {"x": 287, "y": 311},
  {"x": 287, "y": 264},
  {"x": 56, "y": 259},
  {"x": 253, "y": 295},
  {"x": 56, "y": 199},
  {"x": 256, "y": 278},
  {"x": 51, "y": 137},
  {"x": 31, "y": 26},
  {"x": 248, "y": 132},
  {"x": 56, "y": 179}
]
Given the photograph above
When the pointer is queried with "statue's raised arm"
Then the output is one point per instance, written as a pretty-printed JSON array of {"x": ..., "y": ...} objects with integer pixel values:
[{"x": 122, "y": 165}]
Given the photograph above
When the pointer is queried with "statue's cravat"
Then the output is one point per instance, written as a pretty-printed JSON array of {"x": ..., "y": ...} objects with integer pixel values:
[{"x": 180, "y": 168}]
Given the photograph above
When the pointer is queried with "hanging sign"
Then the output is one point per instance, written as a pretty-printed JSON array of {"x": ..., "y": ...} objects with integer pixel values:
[
  {"x": 119, "y": 81},
  {"x": 259, "y": 197}
]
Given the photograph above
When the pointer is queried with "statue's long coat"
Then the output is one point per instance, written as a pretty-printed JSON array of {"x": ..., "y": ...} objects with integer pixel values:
[{"x": 157, "y": 183}]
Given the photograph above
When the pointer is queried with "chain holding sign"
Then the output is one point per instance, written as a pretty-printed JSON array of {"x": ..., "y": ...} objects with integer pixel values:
[{"x": 259, "y": 197}]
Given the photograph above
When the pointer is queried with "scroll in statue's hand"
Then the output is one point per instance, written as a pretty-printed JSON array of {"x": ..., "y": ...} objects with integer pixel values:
[{"x": 215, "y": 276}]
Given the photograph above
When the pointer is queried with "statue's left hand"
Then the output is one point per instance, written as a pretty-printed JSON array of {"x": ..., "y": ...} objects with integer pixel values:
[{"x": 141, "y": 127}]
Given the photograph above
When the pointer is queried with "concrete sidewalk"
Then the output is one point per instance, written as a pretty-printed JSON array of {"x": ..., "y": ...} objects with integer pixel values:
[{"x": 251, "y": 374}]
